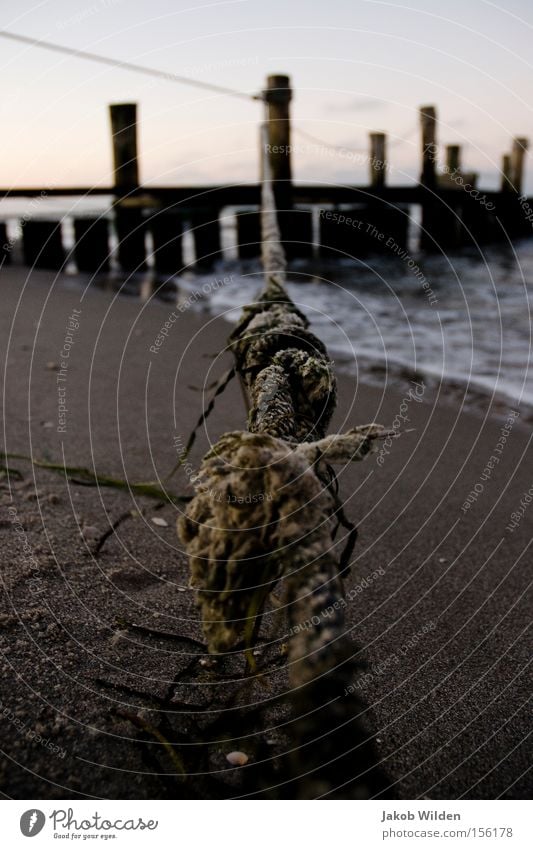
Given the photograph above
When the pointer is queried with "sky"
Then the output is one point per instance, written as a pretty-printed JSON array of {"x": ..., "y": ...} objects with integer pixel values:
[{"x": 356, "y": 66}]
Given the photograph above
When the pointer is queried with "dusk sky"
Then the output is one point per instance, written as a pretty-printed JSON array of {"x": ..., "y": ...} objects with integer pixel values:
[{"x": 356, "y": 66}]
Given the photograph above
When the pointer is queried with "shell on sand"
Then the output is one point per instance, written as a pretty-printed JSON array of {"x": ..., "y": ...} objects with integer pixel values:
[
  {"x": 237, "y": 758},
  {"x": 160, "y": 522}
]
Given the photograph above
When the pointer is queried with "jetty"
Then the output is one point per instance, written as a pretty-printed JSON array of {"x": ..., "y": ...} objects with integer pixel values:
[{"x": 145, "y": 225}]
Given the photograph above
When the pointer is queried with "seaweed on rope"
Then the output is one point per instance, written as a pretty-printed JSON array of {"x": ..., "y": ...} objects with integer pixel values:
[{"x": 266, "y": 507}]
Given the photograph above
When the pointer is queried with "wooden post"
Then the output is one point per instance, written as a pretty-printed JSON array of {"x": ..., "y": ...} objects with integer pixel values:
[
  {"x": 378, "y": 160},
  {"x": 128, "y": 216},
  {"x": 248, "y": 233},
  {"x": 520, "y": 145},
  {"x": 207, "y": 236},
  {"x": 506, "y": 181},
  {"x": 124, "y": 130},
  {"x": 428, "y": 123},
  {"x": 167, "y": 236},
  {"x": 453, "y": 158},
  {"x": 300, "y": 240},
  {"x": 91, "y": 244},
  {"x": 5, "y": 245},
  {"x": 433, "y": 225},
  {"x": 278, "y": 95},
  {"x": 42, "y": 244}
]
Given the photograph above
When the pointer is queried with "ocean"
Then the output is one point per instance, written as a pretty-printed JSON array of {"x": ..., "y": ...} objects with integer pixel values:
[{"x": 461, "y": 319}]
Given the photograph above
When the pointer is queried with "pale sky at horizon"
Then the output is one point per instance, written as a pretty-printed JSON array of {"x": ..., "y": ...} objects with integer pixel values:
[{"x": 356, "y": 66}]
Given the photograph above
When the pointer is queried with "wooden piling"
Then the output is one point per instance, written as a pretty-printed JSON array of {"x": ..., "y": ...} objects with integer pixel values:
[
  {"x": 440, "y": 220},
  {"x": 278, "y": 95},
  {"x": 453, "y": 158},
  {"x": 42, "y": 244},
  {"x": 297, "y": 224},
  {"x": 5, "y": 245},
  {"x": 167, "y": 236},
  {"x": 207, "y": 237},
  {"x": 338, "y": 232},
  {"x": 378, "y": 159},
  {"x": 248, "y": 233},
  {"x": 478, "y": 224},
  {"x": 128, "y": 217},
  {"x": 506, "y": 184},
  {"x": 124, "y": 129},
  {"x": 91, "y": 248},
  {"x": 428, "y": 124},
  {"x": 507, "y": 208},
  {"x": 130, "y": 232},
  {"x": 383, "y": 228},
  {"x": 518, "y": 152},
  {"x": 363, "y": 230}
]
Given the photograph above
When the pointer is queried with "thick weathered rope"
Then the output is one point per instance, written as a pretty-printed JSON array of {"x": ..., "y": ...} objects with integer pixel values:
[
  {"x": 261, "y": 511},
  {"x": 264, "y": 509}
]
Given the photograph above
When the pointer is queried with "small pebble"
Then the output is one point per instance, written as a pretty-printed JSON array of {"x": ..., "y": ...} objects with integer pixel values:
[
  {"x": 117, "y": 636},
  {"x": 161, "y": 523},
  {"x": 237, "y": 758}
]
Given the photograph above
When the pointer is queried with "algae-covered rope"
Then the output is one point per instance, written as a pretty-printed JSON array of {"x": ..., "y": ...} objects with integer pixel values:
[{"x": 264, "y": 508}]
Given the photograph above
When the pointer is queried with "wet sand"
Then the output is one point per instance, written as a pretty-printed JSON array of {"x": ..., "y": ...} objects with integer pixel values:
[{"x": 442, "y": 625}]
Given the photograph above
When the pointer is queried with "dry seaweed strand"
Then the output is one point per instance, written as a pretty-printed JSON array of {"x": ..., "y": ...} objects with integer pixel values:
[{"x": 265, "y": 508}]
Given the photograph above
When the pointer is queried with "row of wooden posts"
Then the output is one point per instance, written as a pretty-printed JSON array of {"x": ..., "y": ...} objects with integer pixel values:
[{"x": 365, "y": 219}]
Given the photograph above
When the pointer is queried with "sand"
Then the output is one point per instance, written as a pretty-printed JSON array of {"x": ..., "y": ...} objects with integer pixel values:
[{"x": 438, "y": 591}]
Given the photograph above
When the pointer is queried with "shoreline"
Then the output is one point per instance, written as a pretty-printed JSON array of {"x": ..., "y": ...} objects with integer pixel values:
[{"x": 189, "y": 293}]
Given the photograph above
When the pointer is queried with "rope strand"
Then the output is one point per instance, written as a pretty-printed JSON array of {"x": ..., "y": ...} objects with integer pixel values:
[{"x": 128, "y": 66}]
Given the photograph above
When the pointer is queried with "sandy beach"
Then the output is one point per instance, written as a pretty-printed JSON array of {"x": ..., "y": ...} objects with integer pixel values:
[{"x": 102, "y": 653}]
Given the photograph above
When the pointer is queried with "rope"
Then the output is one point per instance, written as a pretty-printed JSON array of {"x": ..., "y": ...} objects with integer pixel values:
[
  {"x": 265, "y": 508},
  {"x": 128, "y": 66},
  {"x": 263, "y": 497},
  {"x": 272, "y": 252}
]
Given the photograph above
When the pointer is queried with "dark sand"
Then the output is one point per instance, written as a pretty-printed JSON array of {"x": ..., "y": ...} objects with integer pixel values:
[{"x": 443, "y": 629}]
